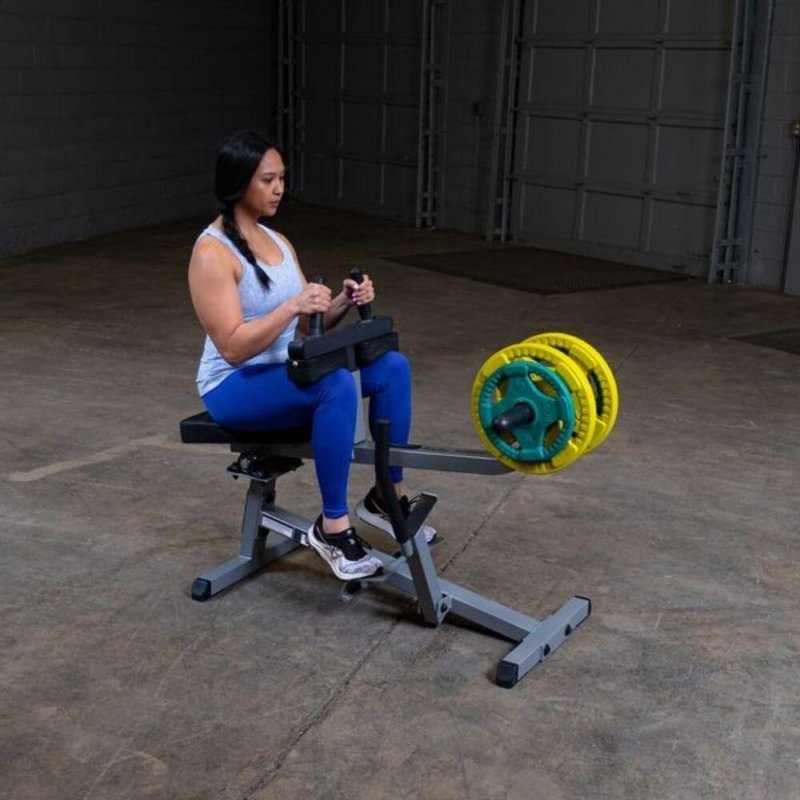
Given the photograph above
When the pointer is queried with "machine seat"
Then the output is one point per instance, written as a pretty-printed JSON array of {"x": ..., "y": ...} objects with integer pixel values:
[{"x": 201, "y": 429}]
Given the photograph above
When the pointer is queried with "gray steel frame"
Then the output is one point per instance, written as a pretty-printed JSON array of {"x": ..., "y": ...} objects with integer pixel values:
[
  {"x": 287, "y": 88},
  {"x": 432, "y": 111},
  {"x": 747, "y": 78},
  {"x": 500, "y": 177},
  {"x": 473, "y": 462},
  {"x": 270, "y": 532}
]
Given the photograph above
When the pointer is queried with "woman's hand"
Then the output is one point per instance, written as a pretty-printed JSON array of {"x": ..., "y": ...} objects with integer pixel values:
[
  {"x": 358, "y": 294},
  {"x": 314, "y": 298}
]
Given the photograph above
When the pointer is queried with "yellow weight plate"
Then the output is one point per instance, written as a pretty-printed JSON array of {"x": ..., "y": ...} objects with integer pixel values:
[
  {"x": 578, "y": 385},
  {"x": 597, "y": 370}
]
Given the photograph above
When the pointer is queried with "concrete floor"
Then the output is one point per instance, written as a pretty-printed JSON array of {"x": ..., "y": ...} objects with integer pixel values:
[{"x": 682, "y": 528}]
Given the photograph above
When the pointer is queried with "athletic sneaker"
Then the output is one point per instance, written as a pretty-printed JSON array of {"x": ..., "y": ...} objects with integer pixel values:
[
  {"x": 344, "y": 553},
  {"x": 374, "y": 512}
]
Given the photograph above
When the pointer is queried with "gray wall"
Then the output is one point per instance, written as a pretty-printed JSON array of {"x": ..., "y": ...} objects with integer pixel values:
[
  {"x": 782, "y": 106},
  {"x": 357, "y": 104},
  {"x": 357, "y": 113},
  {"x": 110, "y": 113},
  {"x": 470, "y": 96},
  {"x": 471, "y": 79}
]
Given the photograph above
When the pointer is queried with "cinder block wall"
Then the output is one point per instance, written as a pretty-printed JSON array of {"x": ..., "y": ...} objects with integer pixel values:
[
  {"x": 110, "y": 113},
  {"x": 778, "y": 161}
]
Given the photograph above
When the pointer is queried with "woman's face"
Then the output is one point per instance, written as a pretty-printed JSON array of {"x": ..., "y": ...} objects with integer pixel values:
[{"x": 264, "y": 193}]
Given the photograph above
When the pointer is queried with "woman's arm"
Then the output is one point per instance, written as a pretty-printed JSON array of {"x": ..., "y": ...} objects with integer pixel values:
[
  {"x": 352, "y": 294},
  {"x": 337, "y": 310},
  {"x": 213, "y": 277}
]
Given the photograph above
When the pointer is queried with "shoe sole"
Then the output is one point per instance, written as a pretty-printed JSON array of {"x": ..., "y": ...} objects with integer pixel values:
[
  {"x": 320, "y": 548},
  {"x": 380, "y": 522}
]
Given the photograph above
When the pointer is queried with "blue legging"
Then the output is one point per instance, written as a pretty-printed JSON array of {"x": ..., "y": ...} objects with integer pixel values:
[{"x": 263, "y": 398}]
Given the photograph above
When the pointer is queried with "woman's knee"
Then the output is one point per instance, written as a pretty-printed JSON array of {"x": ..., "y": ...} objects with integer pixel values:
[
  {"x": 337, "y": 387},
  {"x": 396, "y": 365}
]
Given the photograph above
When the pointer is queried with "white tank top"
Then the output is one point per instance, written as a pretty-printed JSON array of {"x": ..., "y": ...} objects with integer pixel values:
[{"x": 256, "y": 302}]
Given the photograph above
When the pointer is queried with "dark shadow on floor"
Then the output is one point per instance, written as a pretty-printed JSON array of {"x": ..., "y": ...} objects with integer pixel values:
[
  {"x": 530, "y": 269},
  {"x": 787, "y": 340}
]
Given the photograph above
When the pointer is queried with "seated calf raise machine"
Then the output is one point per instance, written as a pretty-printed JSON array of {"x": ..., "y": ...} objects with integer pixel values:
[{"x": 269, "y": 532}]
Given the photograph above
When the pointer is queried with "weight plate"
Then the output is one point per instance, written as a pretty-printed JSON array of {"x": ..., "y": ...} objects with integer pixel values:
[
  {"x": 560, "y": 399},
  {"x": 597, "y": 370}
]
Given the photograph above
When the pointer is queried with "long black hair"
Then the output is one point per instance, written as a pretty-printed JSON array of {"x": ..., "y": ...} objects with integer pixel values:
[{"x": 237, "y": 160}]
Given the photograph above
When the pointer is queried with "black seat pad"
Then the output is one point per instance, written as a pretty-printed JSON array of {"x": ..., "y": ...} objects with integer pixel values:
[{"x": 201, "y": 429}]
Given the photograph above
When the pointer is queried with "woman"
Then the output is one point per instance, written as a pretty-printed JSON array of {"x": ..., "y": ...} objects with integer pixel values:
[{"x": 251, "y": 297}]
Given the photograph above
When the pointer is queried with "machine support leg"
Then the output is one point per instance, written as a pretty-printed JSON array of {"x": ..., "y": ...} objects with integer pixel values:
[
  {"x": 433, "y": 605},
  {"x": 257, "y": 548},
  {"x": 541, "y": 641}
]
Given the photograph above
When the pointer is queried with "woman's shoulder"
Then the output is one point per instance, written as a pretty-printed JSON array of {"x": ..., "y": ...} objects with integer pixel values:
[
  {"x": 208, "y": 248},
  {"x": 272, "y": 232},
  {"x": 281, "y": 239}
]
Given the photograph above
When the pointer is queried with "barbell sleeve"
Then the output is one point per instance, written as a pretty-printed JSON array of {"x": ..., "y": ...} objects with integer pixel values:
[{"x": 519, "y": 414}]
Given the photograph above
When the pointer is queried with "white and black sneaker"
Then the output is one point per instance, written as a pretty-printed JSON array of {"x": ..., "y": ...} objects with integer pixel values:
[
  {"x": 344, "y": 552},
  {"x": 373, "y": 511}
]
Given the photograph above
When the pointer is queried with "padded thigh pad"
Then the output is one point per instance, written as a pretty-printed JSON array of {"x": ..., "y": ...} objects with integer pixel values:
[{"x": 201, "y": 429}]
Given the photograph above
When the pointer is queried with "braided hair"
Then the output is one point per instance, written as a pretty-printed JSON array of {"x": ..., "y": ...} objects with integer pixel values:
[{"x": 237, "y": 160}]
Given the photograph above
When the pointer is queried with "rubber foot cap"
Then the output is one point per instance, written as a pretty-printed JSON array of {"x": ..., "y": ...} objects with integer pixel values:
[
  {"x": 201, "y": 589},
  {"x": 507, "y": 674}
]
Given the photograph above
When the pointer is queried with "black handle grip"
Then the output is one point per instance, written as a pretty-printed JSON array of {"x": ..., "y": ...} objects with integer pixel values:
[
  {"x": 316, "y": 322},
  {"x": 365, "y": 309}
]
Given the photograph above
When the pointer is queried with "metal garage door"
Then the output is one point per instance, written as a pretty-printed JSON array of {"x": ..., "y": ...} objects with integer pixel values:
[
  {"x": 618, "y": 128},
  {"x": 355, "y": 104}
]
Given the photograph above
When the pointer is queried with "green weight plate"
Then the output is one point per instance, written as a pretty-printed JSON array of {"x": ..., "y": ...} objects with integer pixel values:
[{"x": 556, "y": 391}]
